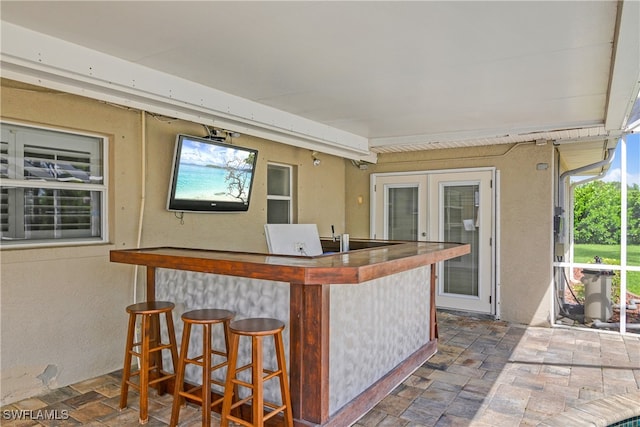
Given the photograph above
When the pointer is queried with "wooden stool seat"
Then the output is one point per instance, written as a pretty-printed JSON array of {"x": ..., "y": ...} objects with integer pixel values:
[
  {"x": 207, "y": 315},
  {"x": 150, "y": 307},
  {"x": 257, "y": 329},
  {"x": 257, "y": 326},
  {"x": 207, "y": 318},
  {"x": 150, "y": 352}
]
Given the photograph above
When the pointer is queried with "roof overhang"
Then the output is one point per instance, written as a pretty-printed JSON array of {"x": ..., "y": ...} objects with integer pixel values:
[{"x": 593, "y": 103}]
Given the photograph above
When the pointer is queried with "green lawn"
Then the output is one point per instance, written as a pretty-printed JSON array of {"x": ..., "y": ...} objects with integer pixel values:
[{"x": 585, "y": 253}]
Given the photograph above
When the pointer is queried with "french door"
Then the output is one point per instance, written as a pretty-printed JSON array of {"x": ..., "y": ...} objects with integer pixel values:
[
  {"x": 400, "y": 207},
  {"x": 453, "y": 206}
]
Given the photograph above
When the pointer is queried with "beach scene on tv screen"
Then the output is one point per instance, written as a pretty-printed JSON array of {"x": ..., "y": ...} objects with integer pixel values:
[{"x": 213, "y": 172}]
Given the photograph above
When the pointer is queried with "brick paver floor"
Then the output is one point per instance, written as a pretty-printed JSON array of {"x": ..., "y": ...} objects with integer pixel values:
[{"x": 486, "y": 373}]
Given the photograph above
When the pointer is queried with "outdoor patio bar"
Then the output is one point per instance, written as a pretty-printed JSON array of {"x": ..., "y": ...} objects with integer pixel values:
[{"x": 357, "y": 322}]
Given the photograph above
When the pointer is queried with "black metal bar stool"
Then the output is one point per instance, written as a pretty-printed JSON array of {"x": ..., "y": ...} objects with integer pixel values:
[
  {"x": 201, "y": 393},
  {"x": 149, "y": 353},
  {"x": 257, "y": 329}
]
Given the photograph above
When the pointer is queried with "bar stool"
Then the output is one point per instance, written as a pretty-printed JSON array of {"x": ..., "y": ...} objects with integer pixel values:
[
  {"x": 150, "y": 352},
  {"x": 207, "y": 318},
  {"x": 256, "y": 328}
]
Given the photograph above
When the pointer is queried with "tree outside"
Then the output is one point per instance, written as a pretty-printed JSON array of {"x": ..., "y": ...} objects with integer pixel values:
[{"x": 597, "y": 214}]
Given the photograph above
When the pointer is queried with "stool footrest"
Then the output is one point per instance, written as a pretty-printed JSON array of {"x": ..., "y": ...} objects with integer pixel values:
[
  {"x": 198, "y": 361},
  {"x": 150, "y": 369},
  {"x": 271, "y": 374},
  {"x": 239, "y": 421},
  {"x": 241, "y": 402},
  {"x": 244, "y": 368},
  {"x": 191, "y": 391},
  {"x": 151, "y": 382},
  {"x": 163, "y": 378},
  {"x": 134, "y": 385},
  {"x": 198, "y": 397},
  {"x": 139, "y": 343},
  {"x": 276, "y": 410},
  {"x": 195, "y": 388},
  {"x": 242, "y": 383},
  {"x": 160, "y": 347},
  {"x": 219, "y": 353},
  {"x": 151, "y": 350},
  {"x": 219, "y": 365}
]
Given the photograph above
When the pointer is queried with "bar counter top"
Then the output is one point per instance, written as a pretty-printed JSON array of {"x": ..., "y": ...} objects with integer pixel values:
[{"x": 356, "y": 266}]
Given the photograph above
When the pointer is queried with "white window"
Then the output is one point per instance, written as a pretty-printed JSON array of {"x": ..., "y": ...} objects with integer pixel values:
[
  {"x": 52, "y": 187},
  {"x": 279, "y": 197}
]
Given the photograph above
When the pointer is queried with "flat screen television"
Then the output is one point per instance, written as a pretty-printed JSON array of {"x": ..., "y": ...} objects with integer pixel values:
[{"x": 209, "y": 175}]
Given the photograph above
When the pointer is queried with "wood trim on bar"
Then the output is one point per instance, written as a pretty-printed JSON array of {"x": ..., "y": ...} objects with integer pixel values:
[
  {"x": 151, "y": 283},
  {"x": 309, "y": 347},
  {"x": 348, "y": 268},
  {"x": 433, "y": 323},
  {"x": 296, "y": 332}
]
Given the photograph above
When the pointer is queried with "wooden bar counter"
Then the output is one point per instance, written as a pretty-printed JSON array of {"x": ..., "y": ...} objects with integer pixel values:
[{"x": 358, "y": 322}]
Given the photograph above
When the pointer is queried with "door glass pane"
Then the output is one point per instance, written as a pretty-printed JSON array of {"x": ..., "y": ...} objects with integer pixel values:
[
  {"x": 402, "y": 213},
  {"x": 461, "y": 225}
]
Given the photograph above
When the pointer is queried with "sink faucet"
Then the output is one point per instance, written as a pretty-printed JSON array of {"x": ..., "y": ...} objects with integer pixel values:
[{"x": 342, "y": 238}]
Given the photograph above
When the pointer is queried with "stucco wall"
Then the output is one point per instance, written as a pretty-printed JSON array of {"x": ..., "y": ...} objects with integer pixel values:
[
  {"x": 62, "y": 316},
  {"x": 526, "y": 211},
  {"x": 62, "y": 308}
]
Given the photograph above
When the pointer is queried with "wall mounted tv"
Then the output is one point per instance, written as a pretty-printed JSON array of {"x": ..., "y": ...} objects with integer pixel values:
[{"x": 209, "y": 175}]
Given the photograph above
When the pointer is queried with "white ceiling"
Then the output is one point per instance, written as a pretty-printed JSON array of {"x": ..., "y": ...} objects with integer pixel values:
[{"x": 397, "y": 75}]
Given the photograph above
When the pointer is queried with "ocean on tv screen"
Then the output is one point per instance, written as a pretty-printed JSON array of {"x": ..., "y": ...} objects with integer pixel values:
[{"x": 196, "y": 182}]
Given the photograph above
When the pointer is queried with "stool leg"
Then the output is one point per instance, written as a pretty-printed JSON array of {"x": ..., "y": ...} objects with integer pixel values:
[
  {"x": 206, "y": 376},
  {"x": 227, "y": 347},
  {"x": 144, "y": 369},
  {"x": 155, "y": 359},
  {"x": 231, "y": 374},
  {"x": 257, "y": 379},
  {"x": 172, "y": 340},
  {"x": 126, "y": 370},
  {"x": 284, "y": 382},
  {"x": 173, "y": 345},
  {"x": 182, "y": 363}
]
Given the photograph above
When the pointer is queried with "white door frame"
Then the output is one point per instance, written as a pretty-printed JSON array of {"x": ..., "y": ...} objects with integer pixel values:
[{"x": 495, "y": 231}]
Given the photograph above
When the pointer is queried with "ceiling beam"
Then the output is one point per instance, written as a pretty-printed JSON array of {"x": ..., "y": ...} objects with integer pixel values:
[{"x": 35, "y": 58}]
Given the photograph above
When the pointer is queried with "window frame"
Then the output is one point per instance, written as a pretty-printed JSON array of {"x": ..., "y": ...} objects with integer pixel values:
[
  {"x": 100, "y": 189},
  {"x": 288, "y": 198}
]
